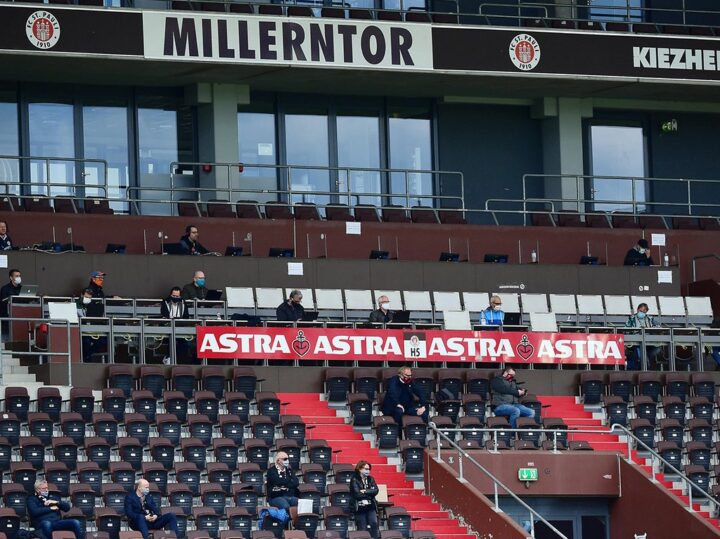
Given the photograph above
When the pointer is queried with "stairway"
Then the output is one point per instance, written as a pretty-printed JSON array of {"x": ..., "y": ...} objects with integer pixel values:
[
  {"x": 578, "y": 416},
  {"x": 14, "y": 374},
  {"x": 328, "y": 425}
]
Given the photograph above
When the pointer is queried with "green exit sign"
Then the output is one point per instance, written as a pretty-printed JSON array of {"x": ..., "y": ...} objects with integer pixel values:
[{"x": 528, "y": 474}]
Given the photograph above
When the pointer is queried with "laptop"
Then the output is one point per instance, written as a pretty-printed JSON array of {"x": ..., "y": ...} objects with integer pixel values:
[
  {"x": 233, "y": 251},
  {"x": 29, "y": 290},
  {"x": 173, "y": 249},
  {"x": 400, "y": 317},
  {"x": 310, "y": 316},
  {"x": 213, "y": 295},
  {"x": 116, "y": 248},
  {"x": 512, "y": 319}
]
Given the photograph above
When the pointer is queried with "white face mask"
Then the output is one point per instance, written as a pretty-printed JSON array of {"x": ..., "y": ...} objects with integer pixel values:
[
  {"x": 641, "y": 250},
  {"x": 385, "y": 306},
  {"x": 86, "y": 301},
  {"x": 17, "y": 281}
]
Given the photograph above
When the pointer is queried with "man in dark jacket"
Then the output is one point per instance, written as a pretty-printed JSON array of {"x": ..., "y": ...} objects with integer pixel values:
[
  {"x": 400, "y": 397},
  {"x": 6, "y": 243},
  {"x": 506, "y": 397},
  {"x": 189, "y": 242},
  {"x": 12, "y": 288},
  {"x": 195, "y": 289},
  {"x": 142, "y": 513},
  {"x": 639, "y": 255},
  {"x": 383, "y": 315},
  {"x": 44, "y": 512},
  {"x": 96, "y": 308},
  {"x": 282, "y": 483},
  {"x": 291, "y": 310},
  {"x": 364, "y": 490},
  {"x": 173, "y": 306}
]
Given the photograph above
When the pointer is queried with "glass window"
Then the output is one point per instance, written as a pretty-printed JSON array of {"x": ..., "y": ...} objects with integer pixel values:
[
  {"x": 307, "y": 146},
  {"x": 256, "y": 146},
  {"x": 617, "y": 10},
  {"x": 405, "y": 5},
  {"x": 618, "y": 151},
  {"x": 358, "y": 146},
  {"x": 52, "y": 134},
  {"x": 410, "y": 149},
  {"x": 9, "y": 145},
  {"x": 105, "y": 132},
  {"x": 164, "y": 137}
]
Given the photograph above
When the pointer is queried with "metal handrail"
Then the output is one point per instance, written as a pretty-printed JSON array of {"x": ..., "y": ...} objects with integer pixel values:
[
  {"x": 701, "y": 257},
  {"x": 48, "y": 184},
  {"x": 611, "y": 432},
  {"x": 496, "y": 482}
]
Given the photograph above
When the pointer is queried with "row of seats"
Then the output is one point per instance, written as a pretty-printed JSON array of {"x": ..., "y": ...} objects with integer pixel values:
[
  {"x": 60, "y": 204},
  {"x": 596, "y": 385},
  {"x": 622, "y": 220}
]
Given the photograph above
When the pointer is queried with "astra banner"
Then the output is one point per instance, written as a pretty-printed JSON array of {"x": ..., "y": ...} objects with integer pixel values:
[
  {"x": 223, "y": 342},
  {"x": 280, "y": 40}
]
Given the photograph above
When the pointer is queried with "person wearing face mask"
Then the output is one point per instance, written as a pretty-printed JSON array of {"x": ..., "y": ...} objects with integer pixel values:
[
  {"x": 400, "y": 397},
  {"x": 639, "y": 255},
  {"x": 88, "y": 307},
  {"x": 364, "y": 489},
  {"x": 196, "y": 289},
  {"x": 6, "y": 243},
  {"x": 189, "y": 242},
  {"x": 292, "y": 309},
  {"x": 383, "y": 315},
  {"x": 493, "y": 315},
  {"x": 506, "y": 397},
  {"x": 173, "y": 307},
  {"x": 44, "y": 511},
  {"x": 12, "y": 288},
  {"x": 282, "y": 483},
  {"x": 641, "y": 319},
  {"x": 143, "y": 514}
]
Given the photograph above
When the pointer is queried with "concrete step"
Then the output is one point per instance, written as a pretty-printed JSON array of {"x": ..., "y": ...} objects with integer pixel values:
[
  {"x": 7, "y": 359},
  {"x": 14, "y": 369},
  {"x": 18, "y": 379}
]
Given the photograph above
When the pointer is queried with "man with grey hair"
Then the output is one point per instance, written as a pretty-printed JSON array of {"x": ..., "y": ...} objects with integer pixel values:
[
  {"x": 143, "y": 514},
  {"x": 493, "y": 315},
  {"x": 291, "y": 310},
  {"x": 383, "y": 315},
  {"x": 196, "y": 289},
  {"x": 44, "y": 511}
]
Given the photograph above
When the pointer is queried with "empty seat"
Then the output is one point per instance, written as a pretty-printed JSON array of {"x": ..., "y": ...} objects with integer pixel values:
[
  {"x": 162, "y": 451},
  {"x": 97, "y": 206},
  {"x": 38, "y": 205},
  {"x": 220, "y": 208},
  {"x": 176, "y": 403},
  {"x": 188, "y": 474},
  {"x": 49, "y": 401},
  {"x": 394, "y": 213},
  {"x": 232, "y": 428},
  {"x": 17, "y": 401},
  {"x": 307, "y": 211},
  {"x": 193, "y": 451},
  {"x": 340, "y": 212},
  {"x": 41, "y": 426},
  {"x": 183, "y": 380},
  {"x": 152, "y": 378},
  {"x": 189, "y": 208},
  {"x": 137, "y": 426},
  {"x": 97, "y": 449},
  {"x": 169, "y": 428},
  {"x": 366, "y": 212},
  {"x": 278, "y": 210},
  {"x": 131, "y": 452},
  {"x": 145, "y": 404},
  {"x": 121, "y": 377},
  {"x": 592, "y": 386},
  {"x": 333, "y": 12},
  {"x": 123, "y": 473},
  {"x": 423, "y": 214},
  {"x": 208, "y": 404},
  {"x": 245, "y": 381}
]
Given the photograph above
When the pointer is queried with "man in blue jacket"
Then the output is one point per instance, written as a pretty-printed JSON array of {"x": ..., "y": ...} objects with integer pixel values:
[
  {"x": 142, "y": 513},
  {"x": 44, "y": 511},
  {"x": 400, "y": 397}
]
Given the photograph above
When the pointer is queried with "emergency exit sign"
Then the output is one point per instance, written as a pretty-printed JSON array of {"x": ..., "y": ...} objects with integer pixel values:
[{"x": 527, "y": 474}]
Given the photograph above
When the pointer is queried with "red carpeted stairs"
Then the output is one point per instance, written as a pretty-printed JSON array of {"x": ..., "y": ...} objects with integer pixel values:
[
  {"x": 575, "y": 415},
  {"x": 341, "y": 437}
]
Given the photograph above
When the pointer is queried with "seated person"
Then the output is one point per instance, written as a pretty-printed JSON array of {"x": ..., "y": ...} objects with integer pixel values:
[
  {"x": 44, "y": 512},
  {"x": 282, "y": 483},
  {"x": 641, "y": 319},
  {"x": 639, "y": 255},
  {"x": 196, "y": 289},
  {"x": 142, "y": 513},
  {"x": 400, "y": 397},
  {"x": 383, "y": 315},
  {"x": 506, "y": 397},
  {"x": 292, "y": 309},
  {"x": 189, "y": 242},
  {"x": 493, "y": 315},
  {"x": 6, "y": 243}
]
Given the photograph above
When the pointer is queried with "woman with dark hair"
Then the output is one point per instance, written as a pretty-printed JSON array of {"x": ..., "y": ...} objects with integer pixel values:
[{"x": 364, "y": 489}]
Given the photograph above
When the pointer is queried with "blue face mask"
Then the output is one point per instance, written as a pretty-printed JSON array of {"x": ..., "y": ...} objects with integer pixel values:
[
  {"x": 145, "y": 491},
  {"x": 641, "y": 315},
  {"x": 44, "y": 493},
  {"x": 200, "y": 282},
  {"x": 366, "y": 473}
]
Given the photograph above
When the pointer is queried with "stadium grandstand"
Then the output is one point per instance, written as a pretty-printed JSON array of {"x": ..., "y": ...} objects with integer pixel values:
[{"x": 202, "y": 203}]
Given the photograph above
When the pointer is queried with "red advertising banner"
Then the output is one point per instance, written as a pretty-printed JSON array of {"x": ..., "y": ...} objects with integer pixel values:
[{"x": 223, "y": 342}]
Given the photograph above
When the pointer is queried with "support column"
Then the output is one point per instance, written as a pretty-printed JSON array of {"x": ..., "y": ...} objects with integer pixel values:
[
  {"x": 563, "y": 148},
  {"x": 218, "y": 134}
]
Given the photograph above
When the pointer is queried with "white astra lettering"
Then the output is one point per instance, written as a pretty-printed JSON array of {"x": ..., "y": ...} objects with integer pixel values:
[{"x": 209, "y": 343}]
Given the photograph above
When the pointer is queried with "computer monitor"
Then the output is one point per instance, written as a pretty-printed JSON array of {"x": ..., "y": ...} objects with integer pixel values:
[
  {"x": 233, "y": 251},
  {"x": 511, "y": 319},
  {"x": 214, "y": 295},
  {"x": 310, "y": 316},
  {"x": 29, "y": 290},
  {"x": 401, "y": 317},
  {"x": 379, "y": 255},
  {"x": 281, "y": 252},
  {"x": 117, "y": 248},
  {"x": 589, "y": 260},
  {"x": 449, "y": 257},
  {"x": 496, "y": 259},
  {"x": 173, "y": 249}
]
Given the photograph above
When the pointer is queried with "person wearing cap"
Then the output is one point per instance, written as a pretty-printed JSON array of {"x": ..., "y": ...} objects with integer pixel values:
[
  {"x": 493, "y": 315},
  {"x": 86, "y": 307},
  {"x": 292, "y": 309},
  {"x": 189, "y": 242},
  {"x": 639, "y": 255},
  {"x": 96, "y": 308}
]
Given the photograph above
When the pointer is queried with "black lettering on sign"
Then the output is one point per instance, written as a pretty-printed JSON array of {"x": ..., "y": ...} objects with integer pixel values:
[
  {"x": 182, "y": 42},
  {"x": 319, "y": 42},
  {"x": 244, "y": 50},
  {"x": 267, "y": 40},
  {"x": 207, "y": 38},
  {"x": 347, "y": 31},
  {"x": 223, "y": 49},
  {"x": 400, "y": 43},
  {"x": 293, "y": 37},
  {"x": 366, "y": 47}
]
